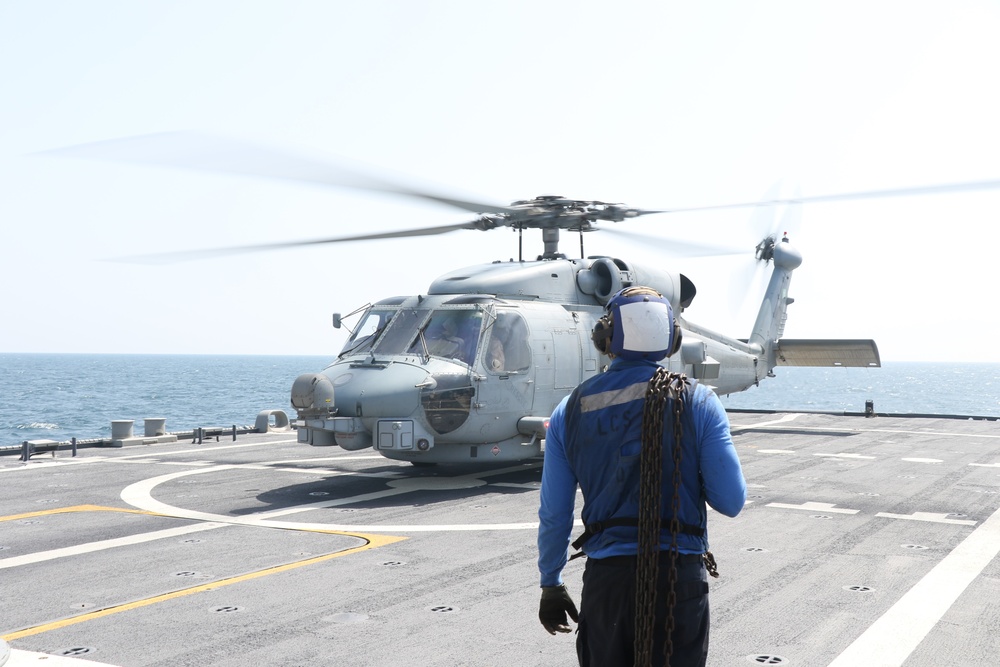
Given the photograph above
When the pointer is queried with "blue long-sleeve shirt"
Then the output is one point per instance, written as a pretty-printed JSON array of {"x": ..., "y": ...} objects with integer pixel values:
[{"x": 722, "y": 485}]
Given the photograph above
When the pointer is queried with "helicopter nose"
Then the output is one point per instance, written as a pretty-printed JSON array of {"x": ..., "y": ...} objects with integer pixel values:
[
  {"x": 401, "y": 391},
  {"x": 379, "y": 391}
]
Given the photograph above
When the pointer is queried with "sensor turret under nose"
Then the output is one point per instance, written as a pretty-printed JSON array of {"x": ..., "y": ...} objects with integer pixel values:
[{"x": 312, "y": 395}]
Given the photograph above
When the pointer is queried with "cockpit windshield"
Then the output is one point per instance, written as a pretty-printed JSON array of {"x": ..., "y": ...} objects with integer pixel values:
[
  {"x": 373, "y": 323},
  {"x": 452, "y": 333}
]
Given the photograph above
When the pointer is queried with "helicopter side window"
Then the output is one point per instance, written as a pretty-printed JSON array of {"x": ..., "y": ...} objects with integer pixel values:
[
  {"x": 508, "y": 350},
  {"x": 452, "y": 334}
]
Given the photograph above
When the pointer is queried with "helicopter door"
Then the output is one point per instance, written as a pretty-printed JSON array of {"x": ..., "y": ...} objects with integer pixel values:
[
  {"x": 566, "y": 345},
  {"x": 558, "y": 360},
  {"x": 507, "y": 388}
]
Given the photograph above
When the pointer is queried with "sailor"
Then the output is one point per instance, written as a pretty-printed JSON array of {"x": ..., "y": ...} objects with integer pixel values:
[{"x": 595, "y": 440}]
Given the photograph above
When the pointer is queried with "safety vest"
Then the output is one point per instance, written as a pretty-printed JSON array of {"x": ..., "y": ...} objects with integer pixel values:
[{"x": 603, "y": 443}]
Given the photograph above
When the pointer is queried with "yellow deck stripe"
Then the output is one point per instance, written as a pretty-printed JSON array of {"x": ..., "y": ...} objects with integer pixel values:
[
  {"x": 372, "y": 541},
  {"x": 74, "y": 508}
]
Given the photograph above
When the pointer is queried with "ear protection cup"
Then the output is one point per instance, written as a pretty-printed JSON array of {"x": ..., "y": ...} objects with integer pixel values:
[
  {"x": 676, "y": 339},
  {"x": 601, "y": 335}
]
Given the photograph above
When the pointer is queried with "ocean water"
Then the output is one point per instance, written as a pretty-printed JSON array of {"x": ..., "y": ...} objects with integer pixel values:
[
  {"x": 895, "y": 388},
  {"x": 61, "y": 396}
]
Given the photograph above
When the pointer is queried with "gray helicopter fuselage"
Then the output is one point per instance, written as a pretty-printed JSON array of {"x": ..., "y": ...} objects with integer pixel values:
[{"x": 471, "y": 370}]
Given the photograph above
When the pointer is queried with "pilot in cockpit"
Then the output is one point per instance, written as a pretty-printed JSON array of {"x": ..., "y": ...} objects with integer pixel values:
[
  {"x": 508, "y": 348},
  {"x": 442, "y": 338}
]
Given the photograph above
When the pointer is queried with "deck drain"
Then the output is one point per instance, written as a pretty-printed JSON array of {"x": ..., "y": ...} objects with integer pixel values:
[
  {"x": 225, "y": 609},
  {"x": 346, "y": 510},
  {"x": 755, "y": 497},
  {"x": 319, "y": 493},
  {"x": 77, "y": 650},
  {"x": 29, "y": 522},
  {"x": 869, "y": 494},
  {"x": 188, "y": 574},
  {"x": 46, "y": 501},
  {"x": 915, "y": 547},
  {"x": 393, "y": 563},
  {"x": 859, "y": 589},
  {"x": 3, "y": 548},
  {"x": 767, "y": 659},
  {"x": 756, "y": 550},
  {"x": 819, "y": 516},
  {"x": 81, "y": 605},
  {"x": 193, "y": 540},
  {"x": 443, "y": 609}
]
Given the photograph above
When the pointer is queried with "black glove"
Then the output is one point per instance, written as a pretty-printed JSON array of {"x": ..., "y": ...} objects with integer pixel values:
[{"x": 552, "y": 610}]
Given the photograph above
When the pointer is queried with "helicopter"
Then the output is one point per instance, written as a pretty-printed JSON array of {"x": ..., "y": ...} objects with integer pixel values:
[{"x": 470, "y": 370}]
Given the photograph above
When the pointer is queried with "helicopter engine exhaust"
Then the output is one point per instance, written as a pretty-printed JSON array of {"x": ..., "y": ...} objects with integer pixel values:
[{"x": 604, "y": 278}]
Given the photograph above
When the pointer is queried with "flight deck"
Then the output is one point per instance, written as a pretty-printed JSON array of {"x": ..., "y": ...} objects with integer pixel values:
[{"x": 864, "y": 541}]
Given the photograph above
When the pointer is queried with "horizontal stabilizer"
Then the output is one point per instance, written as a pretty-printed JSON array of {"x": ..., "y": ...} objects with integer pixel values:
[{"x": 858, "y": 353}]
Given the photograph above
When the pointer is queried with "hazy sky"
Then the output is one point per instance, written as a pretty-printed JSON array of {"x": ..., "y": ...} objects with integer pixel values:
[{"x": 654, "y": 104}]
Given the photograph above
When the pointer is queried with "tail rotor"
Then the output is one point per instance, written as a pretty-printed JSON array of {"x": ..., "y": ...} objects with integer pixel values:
[{"x": 770, "y": 223}]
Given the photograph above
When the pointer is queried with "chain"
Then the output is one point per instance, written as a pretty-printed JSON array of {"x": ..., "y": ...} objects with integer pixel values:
[
  {"x": 710, "y": 564},
  {"x": 647, "y": 561},
  {"x": 662, "y": 385}
]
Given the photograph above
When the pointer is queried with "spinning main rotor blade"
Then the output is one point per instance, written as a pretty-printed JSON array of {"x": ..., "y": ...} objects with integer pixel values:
[
  {"x": 683, "y": 248},
  {"x": 183, "y": 255},
  {"x": 191, "y": 150},
  {"x": 851, "y": 196}
]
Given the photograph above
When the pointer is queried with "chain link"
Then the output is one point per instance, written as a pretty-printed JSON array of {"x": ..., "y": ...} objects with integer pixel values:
[{"x": 662, "y": 385}]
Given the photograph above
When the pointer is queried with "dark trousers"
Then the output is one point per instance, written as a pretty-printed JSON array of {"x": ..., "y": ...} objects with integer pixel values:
[{"x": 606, "y": 632}]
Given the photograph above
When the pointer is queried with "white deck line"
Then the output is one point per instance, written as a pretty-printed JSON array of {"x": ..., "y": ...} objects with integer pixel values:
[{"x": 890, "y": 640}]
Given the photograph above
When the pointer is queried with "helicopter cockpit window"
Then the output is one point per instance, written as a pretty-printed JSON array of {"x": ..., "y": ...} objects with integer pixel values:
[
  {"x": 508, "y": 351},
  {"x": 402, "y": 331},
  {"x": 452, "y": 334},
  {"x": 368, "y": 330}
]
